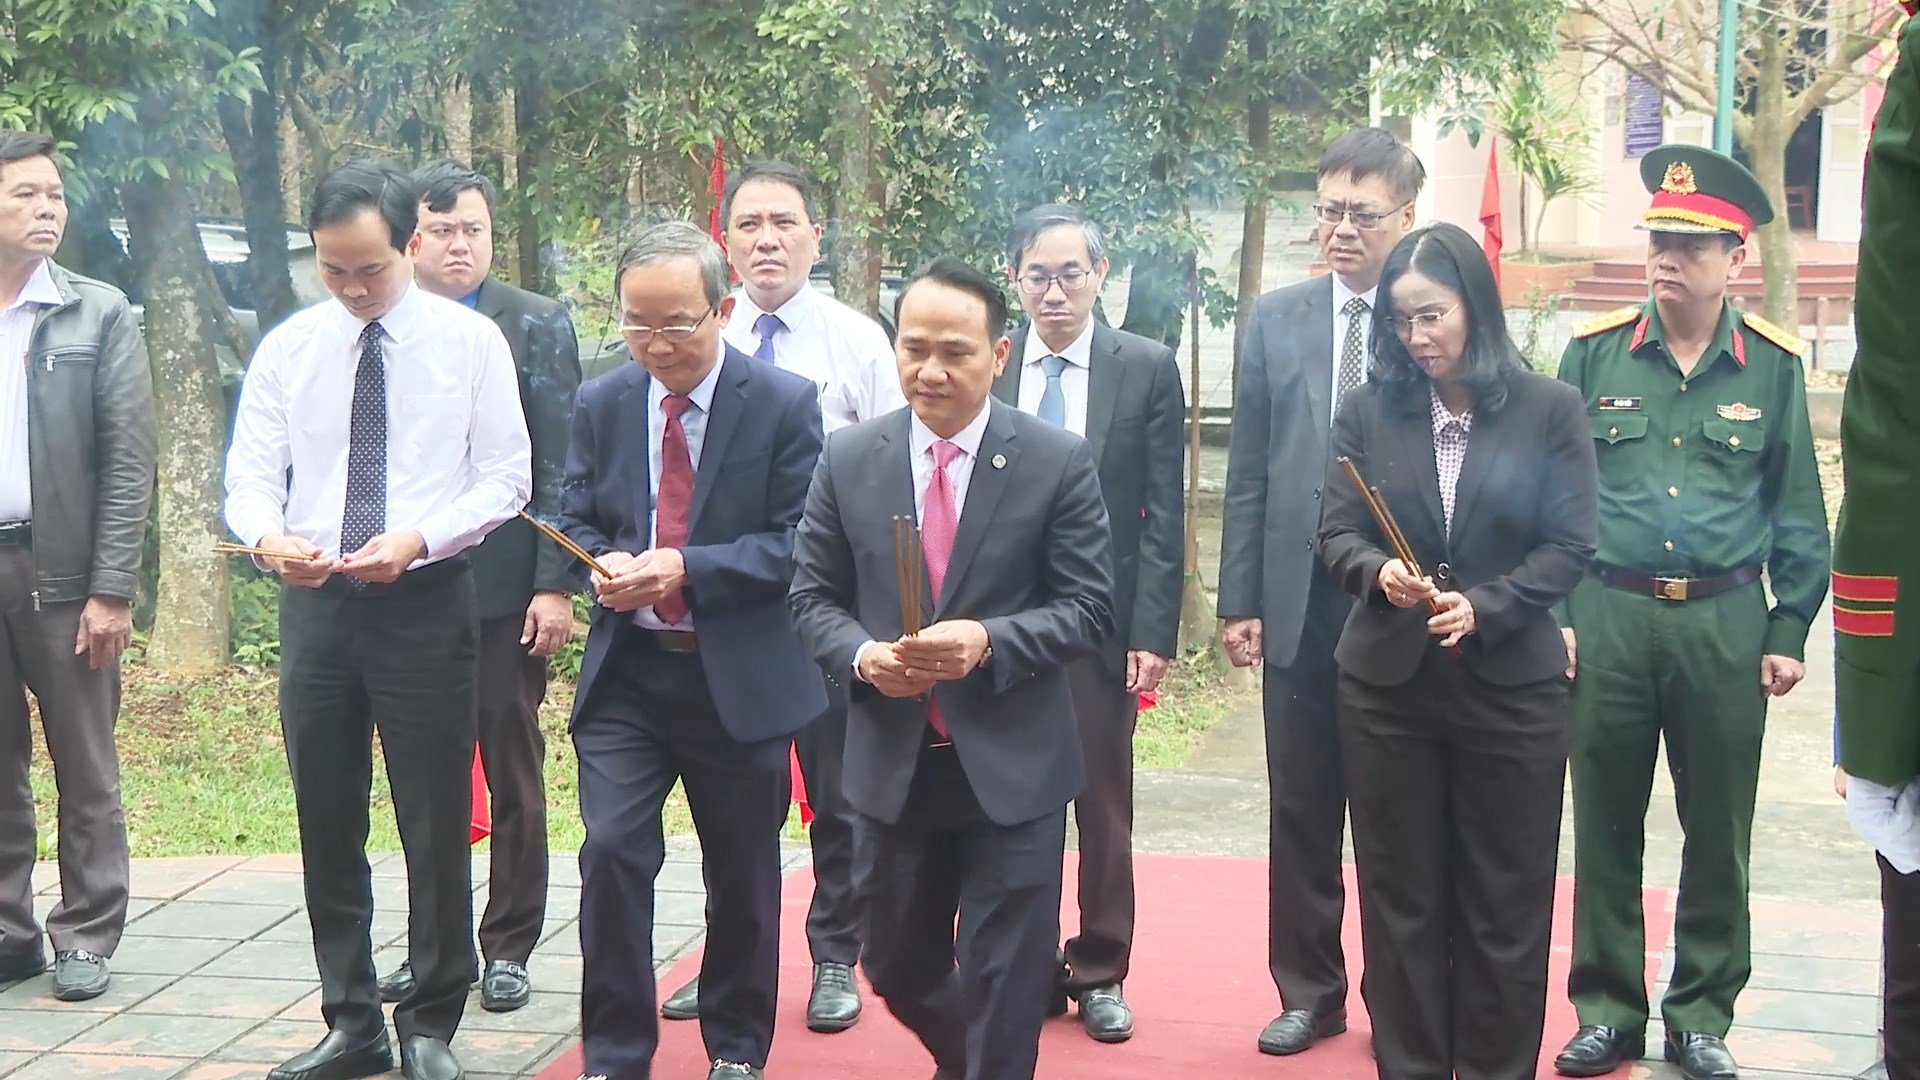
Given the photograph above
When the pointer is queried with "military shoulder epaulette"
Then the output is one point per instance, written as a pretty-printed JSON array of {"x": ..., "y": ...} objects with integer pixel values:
[
  {"x": 1600, "y": 324},
  {"x": 1774, "y": 334}
]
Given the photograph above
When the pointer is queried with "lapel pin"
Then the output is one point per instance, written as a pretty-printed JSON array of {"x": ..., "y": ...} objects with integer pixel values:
[{"x": 999, "y": 461}]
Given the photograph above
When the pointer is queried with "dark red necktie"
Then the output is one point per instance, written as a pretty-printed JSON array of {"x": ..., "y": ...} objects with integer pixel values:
[{"x": 675, "y": 497}]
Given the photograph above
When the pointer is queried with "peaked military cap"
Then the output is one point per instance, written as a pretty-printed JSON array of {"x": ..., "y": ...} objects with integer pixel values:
[{"x": 1700, "y": 191}]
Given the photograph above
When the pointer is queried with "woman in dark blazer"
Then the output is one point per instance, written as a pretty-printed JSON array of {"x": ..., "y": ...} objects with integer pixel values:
[{"x": 1453, "y": 726}]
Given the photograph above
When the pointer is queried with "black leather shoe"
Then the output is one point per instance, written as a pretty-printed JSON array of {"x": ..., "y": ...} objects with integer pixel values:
[
  {"x": 1060, "y": 995},
  {"x": 1297, "y": 1029},
  {"x": 395, "y": 987},
  {"x": 1105, "y": 1013},
  {"x": 22, "y": 966},
  {"x": 506, "y": 986},
  {"x": 339, "y": 1057},
  {"x": 685, "y": 1002},
  {"x": 1701, "y": 1057},
  {"x": 1596, "y": 1050},
  {"x": 733, "y": 1070},
  {"x": 835, "y": 1002},
  {"x": 79, "y": 975},
  {"x": 422, "y": 1058}
]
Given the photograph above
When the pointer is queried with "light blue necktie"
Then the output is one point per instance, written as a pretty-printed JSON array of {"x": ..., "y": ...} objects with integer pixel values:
[
  {"x": 766, "y": 326},
  {"x": 1053, "y": 400}
]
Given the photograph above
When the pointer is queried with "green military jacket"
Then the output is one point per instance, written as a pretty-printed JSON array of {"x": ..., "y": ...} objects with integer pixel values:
[
  {"x": 1876, "y": 554},
  {"x": 1709, "y": 473}
]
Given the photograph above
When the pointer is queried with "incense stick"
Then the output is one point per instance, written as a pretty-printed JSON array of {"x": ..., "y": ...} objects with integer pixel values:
[
  {"x": 572, "y": 548},
  {"x": 222, "y": 547},
  {"x": 907, "y": 566}
]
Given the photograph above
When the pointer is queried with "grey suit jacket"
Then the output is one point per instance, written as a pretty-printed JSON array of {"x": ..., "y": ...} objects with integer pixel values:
[
  {"x": 1277, "y": 462},
  {"x": 515, "y": 561},
  {"x": 1032, "y": 561},
  {"x": 1135, "y": 409}
]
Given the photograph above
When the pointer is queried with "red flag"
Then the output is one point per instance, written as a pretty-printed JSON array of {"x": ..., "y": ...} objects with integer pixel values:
[
  {"x": 482, "y": 825},
  {"x": 717, "y": 183},
  {"x": 1490, "y": 208},
  {"x": 799, "y": 785}
]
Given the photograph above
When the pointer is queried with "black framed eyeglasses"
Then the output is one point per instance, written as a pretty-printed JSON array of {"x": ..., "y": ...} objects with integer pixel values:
[
  {"x": 1364, "y": 220},
  {"x": 1037, "y": 283}
]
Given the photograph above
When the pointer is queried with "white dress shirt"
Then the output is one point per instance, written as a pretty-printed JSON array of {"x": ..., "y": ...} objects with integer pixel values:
[
  {"x": 1888, "y": 818},
  {"x": 1073, "y": 378},
  {"x": 693, "y": 421},
  {"x": 920, "y": 440},
  {"x": 846, "y": 354},
  {"x": 16, "y": 339},
  {"x": 1342, "y": 294},
  {"x": 458, "y": 458}
]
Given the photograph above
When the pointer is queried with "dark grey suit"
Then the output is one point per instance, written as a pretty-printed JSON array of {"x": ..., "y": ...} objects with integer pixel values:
[
  {"x": 1135, "y": 407},
  {"x": 1269, "y": 570},
  {"x": 976, "y": 827}
]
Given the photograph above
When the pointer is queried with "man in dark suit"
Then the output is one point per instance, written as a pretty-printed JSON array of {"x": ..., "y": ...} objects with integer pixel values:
[
  {"x": 521, "y": 578},
  {"x": 961, "y": 749},
  {"x": 1305, "y": 346},
  {"x": 1121, "y": 392},
  {"x": 686, "y": 476}
]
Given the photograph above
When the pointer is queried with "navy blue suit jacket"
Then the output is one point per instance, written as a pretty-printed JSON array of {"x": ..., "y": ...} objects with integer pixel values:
[{"x": 756, "y": 460}]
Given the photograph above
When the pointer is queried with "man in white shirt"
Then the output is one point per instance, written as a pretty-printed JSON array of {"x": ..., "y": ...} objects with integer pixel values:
[
  {"x": 773, "y": 239},
  {"x": 398, "y": 414},
  {"x": 75, "y": 389},
  {"x": 1306, "y": 345}
]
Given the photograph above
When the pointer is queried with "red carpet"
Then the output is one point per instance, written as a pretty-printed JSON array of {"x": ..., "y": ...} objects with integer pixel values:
[{"x": 1199, "y": 989}]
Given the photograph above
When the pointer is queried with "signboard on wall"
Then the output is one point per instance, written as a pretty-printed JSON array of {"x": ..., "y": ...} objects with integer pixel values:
[{"x": 1645, "y": 119}]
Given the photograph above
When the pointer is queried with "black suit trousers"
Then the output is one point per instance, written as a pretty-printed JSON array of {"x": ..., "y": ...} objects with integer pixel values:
[
  {"x": 1103, "y": 815},
  {"x": 651, "y": 721},
  {"x": 1900, "y": 898},
  {"x": 401, "y": 660},
  {"x": 833, "y": 921},
  {"x": 512, "y": 686},
  {"x": 1307, "y": 804},
  {"x": 976, "y": 998},
  {"x": 1455, "y": 787}
]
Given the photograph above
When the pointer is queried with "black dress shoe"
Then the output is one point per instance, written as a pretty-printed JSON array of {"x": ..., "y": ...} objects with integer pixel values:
[
  {"x": 395, "y": 987},
  {"x": 79, "y": 975},
  {"x": 1297, "y": 1029},
  {"x": 22, "y": 966},
  {"x": 1701, "y": 1057},
  {"x": 422, "y": 1058},
  {"x": 506, "y": 987},
  {"x": 339, "y": 1057},
  {"x": 835, "y": 1002},
  {"x": 1105, "y": 1013},
  {"x": 1596, "y": 1050},
  {"x": 685, "y": 1002},
  {"x": 1060, "y": 995}
]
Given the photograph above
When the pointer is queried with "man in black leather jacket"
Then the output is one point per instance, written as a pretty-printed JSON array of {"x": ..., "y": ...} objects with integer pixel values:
[{"x": 77, "y": 450}]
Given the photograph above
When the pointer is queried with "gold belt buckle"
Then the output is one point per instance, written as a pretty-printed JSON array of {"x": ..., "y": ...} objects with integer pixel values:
[{"x": 1668, "y": 588}]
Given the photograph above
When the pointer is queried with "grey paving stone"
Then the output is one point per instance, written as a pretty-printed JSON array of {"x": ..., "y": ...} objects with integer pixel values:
[
  {"x": 680, "y": 877},
  {"x": 555, "y": 971},
  {"x": 13, "y": 1059},
  {"x": 191, "y": 1037},
  {"x": 1832, "y": 975},
  {"x": 1810, "y": 1011},
  {"x": 66, "y": 1066},
  {"x": 167, "y": 879},
  {"x": 190, "y": 919},
  {"x": 684, "y": 908},
  {"x": 226, "y": 1070},
  {"x": 499, "y": 1051},
  {"x": 207, "y": 995},
  {"x": 546, "y": 1013},
  {"x": 36, "y": 1030},
  {"x": 266, "y": 960},
  {"x": 37, "y": 994},
  {"x": 274, "y": 1040},
  {"x": 1802, "y": 1052},
  {"x": 565, "y": 940},
  {"x": 250, "y": 887},
  {"x": 673, "y": 940},
  {"x": 141, "y": 954}
]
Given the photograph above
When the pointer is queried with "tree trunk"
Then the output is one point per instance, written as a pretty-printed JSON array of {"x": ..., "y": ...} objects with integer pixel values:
[
  {"x": 484, "y": 116},
  {"x": 529, "y": 239},
  {"x": 1767, "y": 151},
  {"x": 1253, "y": 217},
  {"x": 252, "y": 131},
  {"x": 190, "y": 613},
  {"x": 856, "y": 258},
  {"x": 1199, "y": 627}
]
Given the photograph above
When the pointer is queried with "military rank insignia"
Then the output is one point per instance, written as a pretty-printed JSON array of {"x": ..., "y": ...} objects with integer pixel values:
[
  {"x": 1615, "y": 404},
  {"x": 1738, "y": 411}
]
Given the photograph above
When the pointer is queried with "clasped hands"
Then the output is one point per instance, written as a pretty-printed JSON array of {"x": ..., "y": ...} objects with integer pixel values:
[
  {"x": 639, "y": 580},
  {"x": 909, "y": 666},
  {"x": 1454, "y": 618},
  {"x": 380, "y": 561}
]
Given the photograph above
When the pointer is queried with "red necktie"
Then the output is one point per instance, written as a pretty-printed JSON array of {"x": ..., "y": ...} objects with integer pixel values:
[
  {"x": 675, "y": 497},
  {"x": 938, "y": 522}
]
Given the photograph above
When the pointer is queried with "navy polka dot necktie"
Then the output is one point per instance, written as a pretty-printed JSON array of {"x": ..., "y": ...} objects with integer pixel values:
[{"x": 366, "y": 511}]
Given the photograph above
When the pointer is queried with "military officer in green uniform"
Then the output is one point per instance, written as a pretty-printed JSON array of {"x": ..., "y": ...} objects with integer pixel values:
[
  {"x": 1876, "y": 557},
  {"x": 1707, "y": 484}
]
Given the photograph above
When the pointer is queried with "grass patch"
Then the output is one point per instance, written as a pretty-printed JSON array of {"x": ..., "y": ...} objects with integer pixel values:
[{"x": 203, "y": 769}]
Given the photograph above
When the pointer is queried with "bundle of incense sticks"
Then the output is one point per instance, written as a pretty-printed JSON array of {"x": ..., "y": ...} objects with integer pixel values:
[
  {"x": 908, "y": 566},
  {"x": 222, "y": 547},
  {"x": 572, "y": 548},
  {"x": 1389, "y": 526}
]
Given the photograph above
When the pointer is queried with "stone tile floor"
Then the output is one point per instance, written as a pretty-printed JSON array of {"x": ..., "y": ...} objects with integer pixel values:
[{"x": 215, "y": 978}]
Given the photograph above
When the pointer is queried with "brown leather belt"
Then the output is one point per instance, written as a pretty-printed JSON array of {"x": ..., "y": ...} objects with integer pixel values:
[
  {"x": 1675, "y": 589},
  {"x": 670, "y": 641}
]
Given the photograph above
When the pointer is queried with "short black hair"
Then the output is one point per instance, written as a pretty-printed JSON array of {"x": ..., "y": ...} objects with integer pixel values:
[
  {"x": 16, "y": 145},
  {"x": 354, "y": 188},
  {"x": 776, "y": 172},
  {"x": 956, "y": 274},
  {"x": 1444, "y": 254},
  {"x": 1378, "y": 152},
  {"x": 442, "y": 182},
  {"x": 1028, "y": 227}
]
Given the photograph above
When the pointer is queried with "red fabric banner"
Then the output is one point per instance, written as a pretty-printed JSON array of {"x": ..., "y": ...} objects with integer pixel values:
[{"x": 1490, "y": 208}]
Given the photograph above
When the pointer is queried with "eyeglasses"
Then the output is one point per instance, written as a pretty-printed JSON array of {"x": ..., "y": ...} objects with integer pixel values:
[
  {"x": 641, "y": 336},
  {"x": 1364, "y": 220},
  {"x": 1037, "y": 284},
  {"x": 1427, "y": 320}
]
